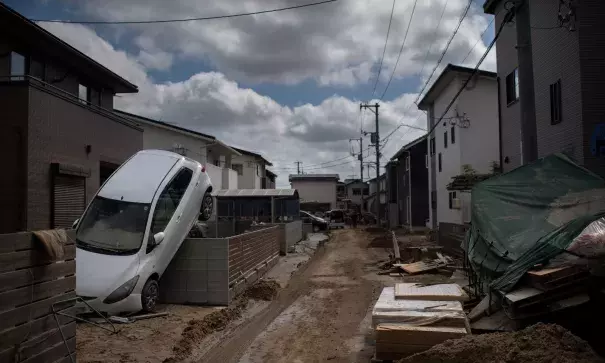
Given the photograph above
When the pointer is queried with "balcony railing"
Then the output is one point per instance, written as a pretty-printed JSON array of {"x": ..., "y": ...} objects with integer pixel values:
[{"x": 61, "y": 93}]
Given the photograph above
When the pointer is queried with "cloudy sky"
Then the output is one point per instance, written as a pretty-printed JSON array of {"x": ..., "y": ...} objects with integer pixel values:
[{"x": 287, "y": 84}]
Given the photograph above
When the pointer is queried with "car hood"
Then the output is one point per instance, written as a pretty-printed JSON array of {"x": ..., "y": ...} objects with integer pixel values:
[{"x": 99, "y": 274}]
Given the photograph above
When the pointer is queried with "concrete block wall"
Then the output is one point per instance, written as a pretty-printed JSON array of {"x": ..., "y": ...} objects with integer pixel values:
[
  {"x": 292, "y": 234},
  {"x": 198, "y": 273}
]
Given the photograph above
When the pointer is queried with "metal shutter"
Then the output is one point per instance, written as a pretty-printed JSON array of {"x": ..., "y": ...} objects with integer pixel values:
[{"x": 69, "y": 200}]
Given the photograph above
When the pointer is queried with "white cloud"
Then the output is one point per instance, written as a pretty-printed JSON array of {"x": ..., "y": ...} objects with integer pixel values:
[{"x": 334, "y": 44}]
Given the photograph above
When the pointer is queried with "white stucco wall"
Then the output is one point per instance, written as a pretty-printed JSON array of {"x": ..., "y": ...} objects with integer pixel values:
[
  {"x": 476, "y": 145},
  {"x": 357, "y": 199},
  {"x": 164, "y": 139},
  {"x": 320, "y": 191}
]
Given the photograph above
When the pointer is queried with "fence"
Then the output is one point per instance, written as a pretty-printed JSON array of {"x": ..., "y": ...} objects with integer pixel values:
[
  {"x": 451, "y": 236},
  {"x": 290, "y": 233},
  {"x": 30, "y": 283},
  {"x": 213, "y": 270}
]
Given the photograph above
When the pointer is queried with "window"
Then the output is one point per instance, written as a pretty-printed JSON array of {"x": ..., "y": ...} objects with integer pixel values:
[
  {"x": 17, "y": 66},
  {"x": 366, "y": 191},
  {"x": 257, "y": 170},
  {"x": 453, "y": 134},
  {"x": 239, "y": 168},
  {"x": 445, "y": 140},
  {"x": 555, "y": 103},
  {"x": 82, "y": 93},
  {"x": 512, "y": 86},
  {"x": 432, "y": 144},
  {"x": 356, "y": 191},
  {"x": 439, "y": 162},
  {"x": 168, "y": 202},
  {"x": 407, "y": 163},
  {"x": 217, "y": 163},
  {"x": 452, "y": 196}
]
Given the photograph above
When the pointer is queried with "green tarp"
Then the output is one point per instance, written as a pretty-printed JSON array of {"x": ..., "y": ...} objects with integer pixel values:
[{"x": 528, "y": 216}]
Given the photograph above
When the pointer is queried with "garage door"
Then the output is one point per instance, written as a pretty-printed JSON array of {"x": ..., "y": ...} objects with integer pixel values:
[{"x": 69, "y": 200}]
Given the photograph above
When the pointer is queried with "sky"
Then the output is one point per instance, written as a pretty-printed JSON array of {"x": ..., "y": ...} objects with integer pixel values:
[{"x": 288, "y": 84}]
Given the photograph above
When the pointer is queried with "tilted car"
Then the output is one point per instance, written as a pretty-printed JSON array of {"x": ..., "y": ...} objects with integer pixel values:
[{"x": 133, "y": 227}]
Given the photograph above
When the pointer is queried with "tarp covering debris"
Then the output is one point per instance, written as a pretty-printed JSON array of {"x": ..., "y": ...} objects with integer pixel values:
[{"x": 530, "y": 215}]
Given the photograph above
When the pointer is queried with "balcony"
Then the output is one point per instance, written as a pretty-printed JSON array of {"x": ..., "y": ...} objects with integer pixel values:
[{"x": 222, "y": 178}]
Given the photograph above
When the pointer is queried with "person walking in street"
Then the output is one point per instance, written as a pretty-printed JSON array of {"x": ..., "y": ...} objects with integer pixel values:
[{"x": 354, "y": 219}]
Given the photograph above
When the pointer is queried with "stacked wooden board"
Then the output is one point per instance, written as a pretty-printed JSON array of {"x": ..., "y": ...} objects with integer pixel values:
[{"x": 410, "y": 318}]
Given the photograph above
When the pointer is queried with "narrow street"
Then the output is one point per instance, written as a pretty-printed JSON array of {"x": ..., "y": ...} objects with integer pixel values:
[{"x": 323, "y": 314}]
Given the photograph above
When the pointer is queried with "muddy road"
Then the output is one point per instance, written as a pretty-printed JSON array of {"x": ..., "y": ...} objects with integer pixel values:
[{"x": 322, "y": 315}]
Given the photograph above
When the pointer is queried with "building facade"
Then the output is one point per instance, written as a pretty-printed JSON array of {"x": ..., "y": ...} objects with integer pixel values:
[
  {"x": 58, "y": 127},
  {"x": 408, "y": 185},
  {"x": 355, "y": 191},
  {"x": 215, "y": 155},
  {"x": 251, "y": 169},
  {"x": 377, "y": 189},
  {"x": 466, "y": 137},
  {"x": 318, "y": 190},
  {"x": 567, "y": 48}
]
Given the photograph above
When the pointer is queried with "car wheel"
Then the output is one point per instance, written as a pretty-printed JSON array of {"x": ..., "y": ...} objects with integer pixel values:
[
  {"x": 316, "y": 228},
  {"x": 207, "y": 205},
  {"x": 150, "y": 295}
]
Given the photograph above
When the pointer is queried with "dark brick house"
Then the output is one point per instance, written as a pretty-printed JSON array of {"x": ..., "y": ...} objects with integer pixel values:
[
  {"x": 58, "y": 134},
  {"x": 408, "y": 185},
  {"x": 569, "y": 81}
]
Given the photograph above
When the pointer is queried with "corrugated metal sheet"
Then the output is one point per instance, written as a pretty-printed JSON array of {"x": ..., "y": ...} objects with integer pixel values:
[{"x": 230, "y": 193}]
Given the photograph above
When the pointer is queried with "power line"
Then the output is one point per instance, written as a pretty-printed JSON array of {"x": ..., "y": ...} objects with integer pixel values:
[
  {"x": 98, "y": 22},
  {"x": 449, "y": 42},
  {"x": 400, "y": 50},
  {"x": 428, "y": 51},
  {"x": 482, "y": 34},
  {"x": 506, "y": 19},
  {"x": 384, "y": 50}
]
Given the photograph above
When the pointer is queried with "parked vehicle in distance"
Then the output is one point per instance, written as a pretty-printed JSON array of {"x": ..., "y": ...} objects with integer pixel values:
[
  {"x": 337, "y": 218},
  {"x": 133, "y": 227},
  {"x": 318, "y": 224}
]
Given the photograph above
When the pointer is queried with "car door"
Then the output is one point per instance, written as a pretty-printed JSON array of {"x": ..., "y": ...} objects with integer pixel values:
[{"x": 168, "y": 218}]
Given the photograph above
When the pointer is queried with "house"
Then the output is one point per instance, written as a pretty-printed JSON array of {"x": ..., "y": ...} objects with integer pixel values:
[
  {"x": 206, "y": 149},
  {"x": 407, "y": 180},
  {"x": 467, "y": 138},
  {"x": 58, "y": 130},
  {"x": 271, "y": 176},
  {"x": 377, "y": 187},
  {"x": 355, "y": 190},
  {"x": 317, "y": 191},
  {"x": 250, "y": 168},
  {"x": 568, "y": 80}
]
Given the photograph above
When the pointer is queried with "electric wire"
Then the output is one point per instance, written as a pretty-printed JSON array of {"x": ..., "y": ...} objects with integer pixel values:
[{"x": 384, "y": 50}]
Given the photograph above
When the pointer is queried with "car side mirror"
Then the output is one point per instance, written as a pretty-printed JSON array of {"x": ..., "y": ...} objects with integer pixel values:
[
  {"x": 158, "y": 238},
  {"x": 75, "y": 223}
]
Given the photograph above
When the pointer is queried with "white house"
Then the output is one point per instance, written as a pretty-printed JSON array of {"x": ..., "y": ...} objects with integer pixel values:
[
  {"x": 251, "y": 169},
  {"x": 316, "y": 189},
  {"x": 467, "y": 135},
  {"x": 206, "y": 149},
  {"x": 356, "y": 190}
]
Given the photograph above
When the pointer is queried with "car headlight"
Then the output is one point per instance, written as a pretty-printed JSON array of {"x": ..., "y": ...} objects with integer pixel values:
[{"x": 122, "y": 292}]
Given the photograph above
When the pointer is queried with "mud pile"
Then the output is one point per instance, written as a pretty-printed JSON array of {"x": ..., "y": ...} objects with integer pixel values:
[
  {"x": 540, "y": 343},
  {"x": 263, "y": 290}
]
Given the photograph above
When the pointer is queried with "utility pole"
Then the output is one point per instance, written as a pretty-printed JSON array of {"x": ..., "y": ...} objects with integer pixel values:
[
  {"x": 375, "y": 139},
  {"x": 298, "y": 166},
  {"x": 529, "y": 144},
  {"x": 360, "y": 155}
]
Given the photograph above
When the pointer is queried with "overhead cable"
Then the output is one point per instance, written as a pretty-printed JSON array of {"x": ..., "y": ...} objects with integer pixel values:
[
  {"x": 384, "y": 49},
  {"x": 182, "y": 20}
]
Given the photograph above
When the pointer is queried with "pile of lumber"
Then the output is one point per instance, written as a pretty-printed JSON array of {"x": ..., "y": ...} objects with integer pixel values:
[{"x": 410, "y": 318}]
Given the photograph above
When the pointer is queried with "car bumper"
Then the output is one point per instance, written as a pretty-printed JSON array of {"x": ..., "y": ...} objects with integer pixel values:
[{"x": 131, "y": 304}]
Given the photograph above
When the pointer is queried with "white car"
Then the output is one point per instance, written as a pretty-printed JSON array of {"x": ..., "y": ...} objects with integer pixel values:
[{"x": 133, "y": 227}]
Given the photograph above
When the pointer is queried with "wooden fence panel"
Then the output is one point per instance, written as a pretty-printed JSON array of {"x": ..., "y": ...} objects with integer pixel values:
[{"x": 30, "y": 283}]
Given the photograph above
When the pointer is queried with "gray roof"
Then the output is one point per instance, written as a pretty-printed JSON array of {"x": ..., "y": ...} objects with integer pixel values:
[
  {"x": 408, "y": 145},
  {"x": 313, "y": 176},
  {"x": 229, "y": 193}
]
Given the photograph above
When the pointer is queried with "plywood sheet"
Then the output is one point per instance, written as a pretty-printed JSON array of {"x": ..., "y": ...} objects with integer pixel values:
[
  {"x": 387, "y": 302},
  {"x": 404, "y": 334},
  {"x": 420, "y": 318},
  {"x": 441, "y": 292},
  {"x": 421, "y": 266}
]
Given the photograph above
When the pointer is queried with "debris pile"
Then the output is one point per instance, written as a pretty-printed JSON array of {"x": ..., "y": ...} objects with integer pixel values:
[
  {"x": 410, "y": 318},
  {"x": 540, "y": 343},
  {"x": 263, "y": 290}
]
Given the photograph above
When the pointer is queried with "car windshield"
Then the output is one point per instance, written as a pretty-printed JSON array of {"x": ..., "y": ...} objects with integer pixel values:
[{"x": 113, "y": 226}]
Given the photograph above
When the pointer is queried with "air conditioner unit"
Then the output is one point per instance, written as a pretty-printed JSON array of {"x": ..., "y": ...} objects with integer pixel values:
[{"x": 456, "y": 203}]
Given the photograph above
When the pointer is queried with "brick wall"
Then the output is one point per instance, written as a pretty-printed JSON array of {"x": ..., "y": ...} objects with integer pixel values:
[
  {"x": 249, "y": 251},
  {"x": 30, "y": 284}
]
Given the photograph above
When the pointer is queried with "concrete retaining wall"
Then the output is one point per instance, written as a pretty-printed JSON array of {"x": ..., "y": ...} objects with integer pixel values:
[{"x": 211, "y": 271}]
